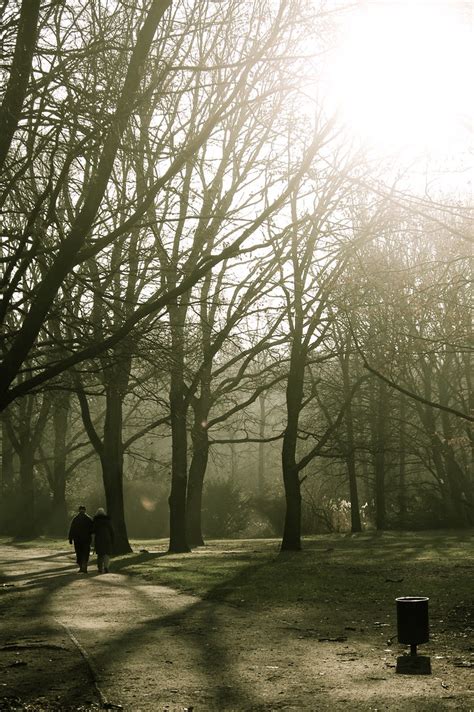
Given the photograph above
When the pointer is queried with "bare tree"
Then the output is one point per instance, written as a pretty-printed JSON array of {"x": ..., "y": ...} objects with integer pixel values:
[{"x": 21, "y": 251}]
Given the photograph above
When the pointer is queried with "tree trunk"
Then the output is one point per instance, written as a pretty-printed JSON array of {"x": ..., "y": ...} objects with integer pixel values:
[
  {"x": 294, "y": 396},
  {"x": 458, "y": 489},
  {"x": 261, "y": 448},
  {"x": 356, "y": 525},
  {"x": 7, "y": 488},
  {"x": 462, "y": 504},
  {"x": 177, "y": 499},
  {"x": 402, "y": 493},
  {"x": 27, "y": 526},
  {"x": 32, "y": 422},
  {"x": 15, "y": 92},
  {"x": 233, "y": 461},
  {"x": 197, "y": 471},
  {"x": 59, "y": 518},
  {"x": 112, "y": 468},
  {"x": 291, "y": 540},
  {"x": 428, "y": 417},
  {"x": 379, "y": 412},
  {"x": 7, "y": 459},
  {"x": 179, "y": 436}
]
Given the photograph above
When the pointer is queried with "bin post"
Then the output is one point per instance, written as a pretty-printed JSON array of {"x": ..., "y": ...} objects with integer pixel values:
[
  {"x": 412, "y": 621},
  {"x": 413, "y": 630}
]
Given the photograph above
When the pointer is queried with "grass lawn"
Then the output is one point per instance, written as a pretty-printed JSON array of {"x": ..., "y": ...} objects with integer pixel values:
[
  {"x": 337, "y": 582},
  {"x": 357, "y": 575}
]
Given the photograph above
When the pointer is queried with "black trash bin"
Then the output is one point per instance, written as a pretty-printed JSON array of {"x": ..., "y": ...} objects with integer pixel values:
[{"x": 412, "y": 621}]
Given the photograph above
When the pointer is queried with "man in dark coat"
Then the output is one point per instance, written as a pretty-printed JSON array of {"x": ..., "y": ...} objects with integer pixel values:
[
  {"x": 80, "y": 532},
  {"x": 103, "y": 539}
]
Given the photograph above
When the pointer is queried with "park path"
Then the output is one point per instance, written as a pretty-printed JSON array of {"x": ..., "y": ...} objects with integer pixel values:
[{"x": 148, "y": 648}]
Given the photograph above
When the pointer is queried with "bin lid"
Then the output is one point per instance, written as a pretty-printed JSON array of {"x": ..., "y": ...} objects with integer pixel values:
[{"x": 411, "y": 599}]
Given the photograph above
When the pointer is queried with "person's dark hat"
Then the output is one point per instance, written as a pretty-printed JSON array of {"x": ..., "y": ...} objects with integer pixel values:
[{"x": 82, "y": 508}]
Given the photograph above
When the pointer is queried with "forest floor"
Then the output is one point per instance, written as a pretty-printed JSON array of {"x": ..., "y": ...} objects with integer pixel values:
[{"x": 235, "y": 626}]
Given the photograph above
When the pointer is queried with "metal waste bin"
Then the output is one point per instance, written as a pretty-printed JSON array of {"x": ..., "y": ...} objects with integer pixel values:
[{"x": 412, "y": 621}]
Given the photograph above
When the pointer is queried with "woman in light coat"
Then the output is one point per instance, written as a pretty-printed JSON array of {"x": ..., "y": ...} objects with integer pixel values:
[{"x": 103, "y": 539}]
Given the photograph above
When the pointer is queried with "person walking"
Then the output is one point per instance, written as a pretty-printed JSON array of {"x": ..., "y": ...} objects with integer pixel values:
[
  {"x": 103, "y": 539},
  {"x": 80, "y": 532}
]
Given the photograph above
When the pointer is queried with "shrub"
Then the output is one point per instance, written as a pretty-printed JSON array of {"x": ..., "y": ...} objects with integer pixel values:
[
  {"x": 273, "y": 510},
  {"x": 225, "y": 509}
]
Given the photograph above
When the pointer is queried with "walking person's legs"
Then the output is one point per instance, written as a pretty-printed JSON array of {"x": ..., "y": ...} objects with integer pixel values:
[
  {"x": 85, "y": 560},
  {"x": 100, "y": 563},
  {"x": 83, "y": 555},
  {"x": 77, "y": 549},
  {"x": 103, "y": 563}
]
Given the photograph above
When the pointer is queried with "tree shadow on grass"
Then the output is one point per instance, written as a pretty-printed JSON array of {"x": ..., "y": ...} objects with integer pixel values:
[
  {"x": 120, "y": 563},
  {"x": 397, "y": 545},
  {"x": 38, "y": 576},
  {"x": 40, "y": 557}
]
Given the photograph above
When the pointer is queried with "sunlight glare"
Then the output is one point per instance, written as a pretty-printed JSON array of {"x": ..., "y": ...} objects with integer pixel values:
[{"x": 402, "y": 75}]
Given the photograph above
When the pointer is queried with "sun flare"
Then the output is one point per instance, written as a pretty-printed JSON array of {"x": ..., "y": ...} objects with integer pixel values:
[{"x": 401, "y": 74}]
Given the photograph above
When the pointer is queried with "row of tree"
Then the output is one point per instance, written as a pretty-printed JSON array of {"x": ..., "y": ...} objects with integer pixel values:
[{"x": 185, "y": 235}]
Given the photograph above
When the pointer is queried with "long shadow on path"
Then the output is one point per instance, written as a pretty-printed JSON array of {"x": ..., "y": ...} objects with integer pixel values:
[
  {"x": 208, "y": 642},
  {"x": 195, "y": 626},
  {"x": 37, "y": 660}
]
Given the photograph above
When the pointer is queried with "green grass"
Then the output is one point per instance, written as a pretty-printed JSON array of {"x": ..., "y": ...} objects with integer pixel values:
[
  {"x": 342, "y": 578},
  {"x": 40, "y": 542},
  {"x": 357, "y": 576}
]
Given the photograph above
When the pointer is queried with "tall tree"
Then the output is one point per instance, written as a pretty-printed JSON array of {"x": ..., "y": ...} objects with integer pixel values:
[{"x": 25, "y": 429}]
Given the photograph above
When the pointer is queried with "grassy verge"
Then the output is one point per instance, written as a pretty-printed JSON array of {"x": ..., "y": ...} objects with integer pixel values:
[{"x": 349, "y": 580}]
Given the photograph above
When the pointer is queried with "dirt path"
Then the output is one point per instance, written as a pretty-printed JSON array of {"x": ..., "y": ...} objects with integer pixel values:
[{"x": 151, "y": 649}]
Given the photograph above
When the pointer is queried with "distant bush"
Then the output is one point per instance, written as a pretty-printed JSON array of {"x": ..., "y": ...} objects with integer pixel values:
[
  {"x": 271, "y": 510},
  {"x": 317, "y": 516},
  {"x": 11, "y": 510},
  {"x": 226, "y": 510},
  {"x": 426, "y": 511}
]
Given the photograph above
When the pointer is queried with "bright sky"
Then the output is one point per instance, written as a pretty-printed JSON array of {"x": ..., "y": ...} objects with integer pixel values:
[{"x": 401, "y": 76}]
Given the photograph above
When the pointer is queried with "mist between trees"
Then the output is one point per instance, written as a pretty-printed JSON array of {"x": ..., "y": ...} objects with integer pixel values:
[{"x": 203, "y": 280}]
